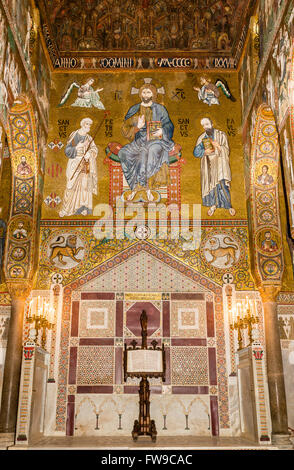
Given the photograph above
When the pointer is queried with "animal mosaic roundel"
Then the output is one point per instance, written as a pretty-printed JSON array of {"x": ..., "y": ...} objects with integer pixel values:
[
  {"x": 221, "y": 250},
  {"x": 65, "y": 250}
]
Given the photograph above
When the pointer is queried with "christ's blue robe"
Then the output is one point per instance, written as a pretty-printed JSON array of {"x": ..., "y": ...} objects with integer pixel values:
[{"x": 141, "y": 159}]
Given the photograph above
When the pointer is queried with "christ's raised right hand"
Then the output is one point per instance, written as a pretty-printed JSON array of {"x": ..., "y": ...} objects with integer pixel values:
[{"x": 141, "y": 122}]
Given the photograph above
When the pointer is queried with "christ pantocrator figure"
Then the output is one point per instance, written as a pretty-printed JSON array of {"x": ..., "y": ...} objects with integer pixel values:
[{"x": 145, "y": 160}]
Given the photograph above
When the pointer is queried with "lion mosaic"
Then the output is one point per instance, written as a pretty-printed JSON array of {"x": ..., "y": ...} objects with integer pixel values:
[
  {"x": 68, "y": 250},
  {"x": 217, "y": 251}
]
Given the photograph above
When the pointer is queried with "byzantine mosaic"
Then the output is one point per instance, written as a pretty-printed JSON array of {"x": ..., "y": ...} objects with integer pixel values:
[
  {"x": 176, "y": 92},
  {"x": 106, "y": 254}
]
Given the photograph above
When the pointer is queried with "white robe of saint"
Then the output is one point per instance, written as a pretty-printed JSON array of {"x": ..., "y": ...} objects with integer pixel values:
[
  {"x": 216, "y": 166},
  {"x": 81, "y": 174}
]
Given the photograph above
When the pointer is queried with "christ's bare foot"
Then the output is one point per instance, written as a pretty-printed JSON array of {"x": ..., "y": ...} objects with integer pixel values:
[
  {"x": 131, "y": 196},
  {"x": 211, "y": 211},
  {"x": 150, "y": 197},
  {"x": 232, "y": 211}
]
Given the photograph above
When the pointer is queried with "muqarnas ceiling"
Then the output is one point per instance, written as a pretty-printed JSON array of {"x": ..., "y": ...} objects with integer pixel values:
[{"x": 146, "y": 25}]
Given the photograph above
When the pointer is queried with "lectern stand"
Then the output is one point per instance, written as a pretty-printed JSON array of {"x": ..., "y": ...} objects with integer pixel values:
[{"x": 143, "y": 363}]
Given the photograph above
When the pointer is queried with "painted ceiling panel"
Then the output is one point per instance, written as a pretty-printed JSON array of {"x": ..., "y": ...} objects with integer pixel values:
[{"x": 210, "y": 26}]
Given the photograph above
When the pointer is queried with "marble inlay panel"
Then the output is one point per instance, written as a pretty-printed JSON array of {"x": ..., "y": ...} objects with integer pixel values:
[
  {"x": 188, "y": 318},
  {"x": 189, "y": 365},
  {"x": 97, "y": 318},
  {"x": 95, "y": 365}
]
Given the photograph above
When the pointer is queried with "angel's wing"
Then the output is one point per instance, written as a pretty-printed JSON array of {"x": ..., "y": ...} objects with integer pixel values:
[
  {"x": 68, "y": 92},
  {"x": 223, "y": 84}
]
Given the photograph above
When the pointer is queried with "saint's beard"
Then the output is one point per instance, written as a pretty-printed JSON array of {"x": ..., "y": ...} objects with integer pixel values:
[
  {"x": 146, "y": 100},
  {"x": 209, "y": 132}
]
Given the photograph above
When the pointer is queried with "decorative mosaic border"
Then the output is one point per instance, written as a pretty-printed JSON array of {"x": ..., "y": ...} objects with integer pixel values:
[
  {"x": 20, "y": 250},
  {"x": 259, "y": 375},
  {"x": 103, "y": 254},
  {"x": 91, "y": 222},
  {"x": 26, "y": 385},
  {"x": 268, "y": 262}
]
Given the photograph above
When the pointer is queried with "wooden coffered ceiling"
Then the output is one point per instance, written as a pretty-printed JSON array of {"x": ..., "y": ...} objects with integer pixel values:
[{"x": 144, "y": 28}]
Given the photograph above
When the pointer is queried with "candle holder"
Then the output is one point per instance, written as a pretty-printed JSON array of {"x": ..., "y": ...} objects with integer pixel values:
[
  {"x": 41, "y": 314},
  {"x": 244, "y": 319},
  {"x": 249, "y": 320},
  {"x": 238, "y": 325}
]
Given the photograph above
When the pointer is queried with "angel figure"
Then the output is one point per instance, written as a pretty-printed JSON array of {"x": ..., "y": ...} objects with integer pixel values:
[
  {"x": 209, "y": 93},
  {"x": 87, "y": 96}
]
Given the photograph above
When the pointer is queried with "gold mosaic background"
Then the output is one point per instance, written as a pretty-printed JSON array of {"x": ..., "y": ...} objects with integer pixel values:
[{"x": 176, "y": 84}]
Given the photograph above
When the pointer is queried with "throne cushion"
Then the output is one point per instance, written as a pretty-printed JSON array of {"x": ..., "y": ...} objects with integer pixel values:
[{"x": 113, "y": 148}]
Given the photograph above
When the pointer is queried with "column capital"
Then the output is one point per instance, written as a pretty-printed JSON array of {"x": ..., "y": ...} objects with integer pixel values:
[
  {"x": 269, "y": 293},
  {"x": 19, "y": 289}
]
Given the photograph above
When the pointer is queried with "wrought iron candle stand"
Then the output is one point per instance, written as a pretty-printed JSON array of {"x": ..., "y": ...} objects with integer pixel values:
[{"x": 144, "y": 426}]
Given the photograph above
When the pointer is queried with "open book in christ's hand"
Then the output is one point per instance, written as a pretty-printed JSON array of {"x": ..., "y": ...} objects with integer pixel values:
[{"x": 152, "y": 128}]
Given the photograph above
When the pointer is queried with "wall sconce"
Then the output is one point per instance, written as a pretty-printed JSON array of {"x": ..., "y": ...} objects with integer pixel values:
[{"x": 41, "y": 313}]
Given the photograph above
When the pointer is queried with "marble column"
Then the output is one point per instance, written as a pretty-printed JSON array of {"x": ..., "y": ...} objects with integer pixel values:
[
  {"x": 13, "y": 359},
  {"x": 275, "y": 374}
]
